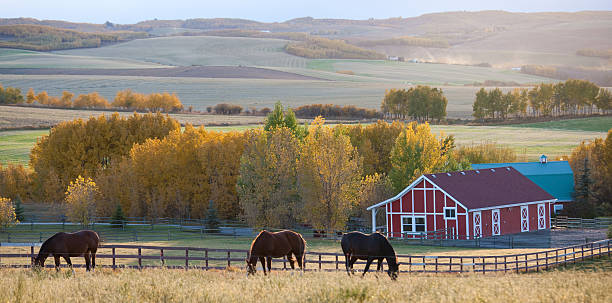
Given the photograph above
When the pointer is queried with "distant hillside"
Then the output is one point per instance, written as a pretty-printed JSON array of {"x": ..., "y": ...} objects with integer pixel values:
[
  {"x": 322, "y": 48},
  {"x": 46, "y": 38},
  {"x": 501, "y": 39}
]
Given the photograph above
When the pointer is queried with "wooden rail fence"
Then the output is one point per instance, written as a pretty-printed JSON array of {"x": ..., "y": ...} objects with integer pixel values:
[
  {"x": 140, "y": 256},
  {"x": 565, "y": 222}
]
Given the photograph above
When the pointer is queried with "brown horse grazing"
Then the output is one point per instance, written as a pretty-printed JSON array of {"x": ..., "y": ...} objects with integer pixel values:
[
  {"x": 65, "y": 245},
  {"x": 356, "y": 245},
  {"x": 268, "y": 245}
]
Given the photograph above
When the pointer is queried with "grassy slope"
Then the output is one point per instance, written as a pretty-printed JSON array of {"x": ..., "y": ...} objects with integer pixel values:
[{"x": 596, "y": 124}]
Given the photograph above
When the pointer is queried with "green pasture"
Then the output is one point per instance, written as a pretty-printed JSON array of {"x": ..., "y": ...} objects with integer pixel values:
[
  {"x": 528, "y": 142},
  {"x": 596, "y": 124}
]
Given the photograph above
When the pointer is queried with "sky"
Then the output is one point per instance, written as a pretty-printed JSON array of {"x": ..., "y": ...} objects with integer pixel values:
[{"x": 132, "y": 11}]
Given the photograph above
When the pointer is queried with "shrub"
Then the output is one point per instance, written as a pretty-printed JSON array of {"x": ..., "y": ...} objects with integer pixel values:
[
  {"x": 7, "y": 213},
  {"x": 81, "y": 199}
]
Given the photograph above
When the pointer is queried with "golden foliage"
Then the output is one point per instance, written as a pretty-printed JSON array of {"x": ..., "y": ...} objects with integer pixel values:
[
  {"x": 80, "y": 147},
  {"x": 15, "y": 181},
  {"x": 328, "y": 177},
  {"x": 177, "y": 175},
  {"x": 417, "y": 151},
  {"x": 7, "y": 213},
  {"x": 81, "y": 200},
  {"x": 154, "y": 102},
  {"x": 323, "y": 48}
]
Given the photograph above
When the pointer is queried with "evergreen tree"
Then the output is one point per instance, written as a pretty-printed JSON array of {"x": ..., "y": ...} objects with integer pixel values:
[
  {"x": 212, "y": 220},
  {"x": 583, "y": 205},
  {"x": 279, "y": 118},
  {"x": 118, "y": 217},
  {"x": 19, "y": 209}
]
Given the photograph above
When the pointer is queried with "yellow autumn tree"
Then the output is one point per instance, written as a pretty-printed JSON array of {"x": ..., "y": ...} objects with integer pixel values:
[
  {"x": 79, "y": 147},
  {"x": 81, "y": 199},
  {"x": 15, "y": 181},
  {"x": 30, "y": 96},
  {"x": 328, "y": 177},
  {"x": 418, "y": 151},
  {"x": 7, "y": 213}
]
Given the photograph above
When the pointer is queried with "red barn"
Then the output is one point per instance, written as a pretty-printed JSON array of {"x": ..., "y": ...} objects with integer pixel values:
[{"x": 467, "y": 205}]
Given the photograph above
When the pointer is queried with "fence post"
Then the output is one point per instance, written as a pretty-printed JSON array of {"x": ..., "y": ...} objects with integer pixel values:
[
  {"x": 516, "y": 264},
  {"x": 206, "y": 257},
  {"x": 461, "y": 264},
  {"x": 537, "y": 261},
  {"x": 505, "y": 264},
  {"x": 114, "y": 266},
  {"x": 139, "y": 258},
  {"x": 410, "y": 265},
  {"x": 319, "y": 262},
  {"x": 436, "y": 265},
  {"x": 32, "y": 255},
  {"x": 229, "y": 259},
  {"x": 186, "y": 258}
]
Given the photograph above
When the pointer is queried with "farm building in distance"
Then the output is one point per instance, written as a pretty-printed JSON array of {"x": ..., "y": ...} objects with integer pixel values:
[
  {"x": 555, "y": 177},
  {"x": 467, "y": 205}
]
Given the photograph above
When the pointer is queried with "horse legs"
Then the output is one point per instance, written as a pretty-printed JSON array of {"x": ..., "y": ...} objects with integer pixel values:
[
  {"x": 93, "y": 259},
  {"x": 380, "y": 266},
  {"x": 67, "y": 258},
  {"x": 300, "y": 261},
  {"x": 291, "y": 261},
  {"x": 370, "y": 259},
  {"x": 269, "y": 260},
  {"x": 263, "y": 264},
  {"x": 348, "y": 266},
  {"x": 351, "y": 263},
  {"x": 57, "y": 262},
  {"x": 87, "y": 257}
]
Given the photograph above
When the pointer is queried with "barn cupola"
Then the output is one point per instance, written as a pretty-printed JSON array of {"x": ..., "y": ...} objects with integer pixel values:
[{"x": 543, "y": 159}]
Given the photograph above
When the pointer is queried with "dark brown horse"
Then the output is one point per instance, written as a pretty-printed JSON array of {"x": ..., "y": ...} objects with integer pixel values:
[
  {"x": 356, "y": 245},
  {"x": 268, "y": 245},
  {"x": 65, "y": 245}
]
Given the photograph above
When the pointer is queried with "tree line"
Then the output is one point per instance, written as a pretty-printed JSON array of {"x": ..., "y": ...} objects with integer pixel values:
[
  {"x": 569, "y": 98},
  {"x": 421, "y": 103},
  {"x": 323, "y": 48},
  {"x": 46, "y": 38},
  {"x": 125, "y": 99},
  {"x": 279, "y": 176}
]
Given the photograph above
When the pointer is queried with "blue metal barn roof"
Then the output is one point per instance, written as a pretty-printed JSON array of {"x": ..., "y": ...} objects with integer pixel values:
[{"x": 555, "y": 177}]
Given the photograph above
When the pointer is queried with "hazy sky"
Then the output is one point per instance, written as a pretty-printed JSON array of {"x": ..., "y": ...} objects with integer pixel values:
[{"x": 131, "y": 11}]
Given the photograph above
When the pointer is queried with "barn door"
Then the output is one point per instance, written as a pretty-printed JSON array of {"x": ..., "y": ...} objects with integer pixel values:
[
  {"x": 495, "y": 222},
  {"x": 477, "y": 225},
  {"x": 524, "y": 218},
  {"x": 541, "y": 216}
]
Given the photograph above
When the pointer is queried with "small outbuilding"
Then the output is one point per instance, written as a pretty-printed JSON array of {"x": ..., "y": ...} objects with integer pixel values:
[
  {"x": 466, "y": 205},
  {"x": 555, "y": 177}
]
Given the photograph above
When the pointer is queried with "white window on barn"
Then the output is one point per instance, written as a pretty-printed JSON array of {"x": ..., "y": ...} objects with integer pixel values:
[
  {"x": 450, "y": 213},
  {"x": 407, "y": 224},
  {"x": 419, "y": 224},
  {"x": 413, "y": 225}
]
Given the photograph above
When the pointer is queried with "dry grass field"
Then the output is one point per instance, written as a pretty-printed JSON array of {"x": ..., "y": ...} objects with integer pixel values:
[{"x": 159, "y": 285}]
